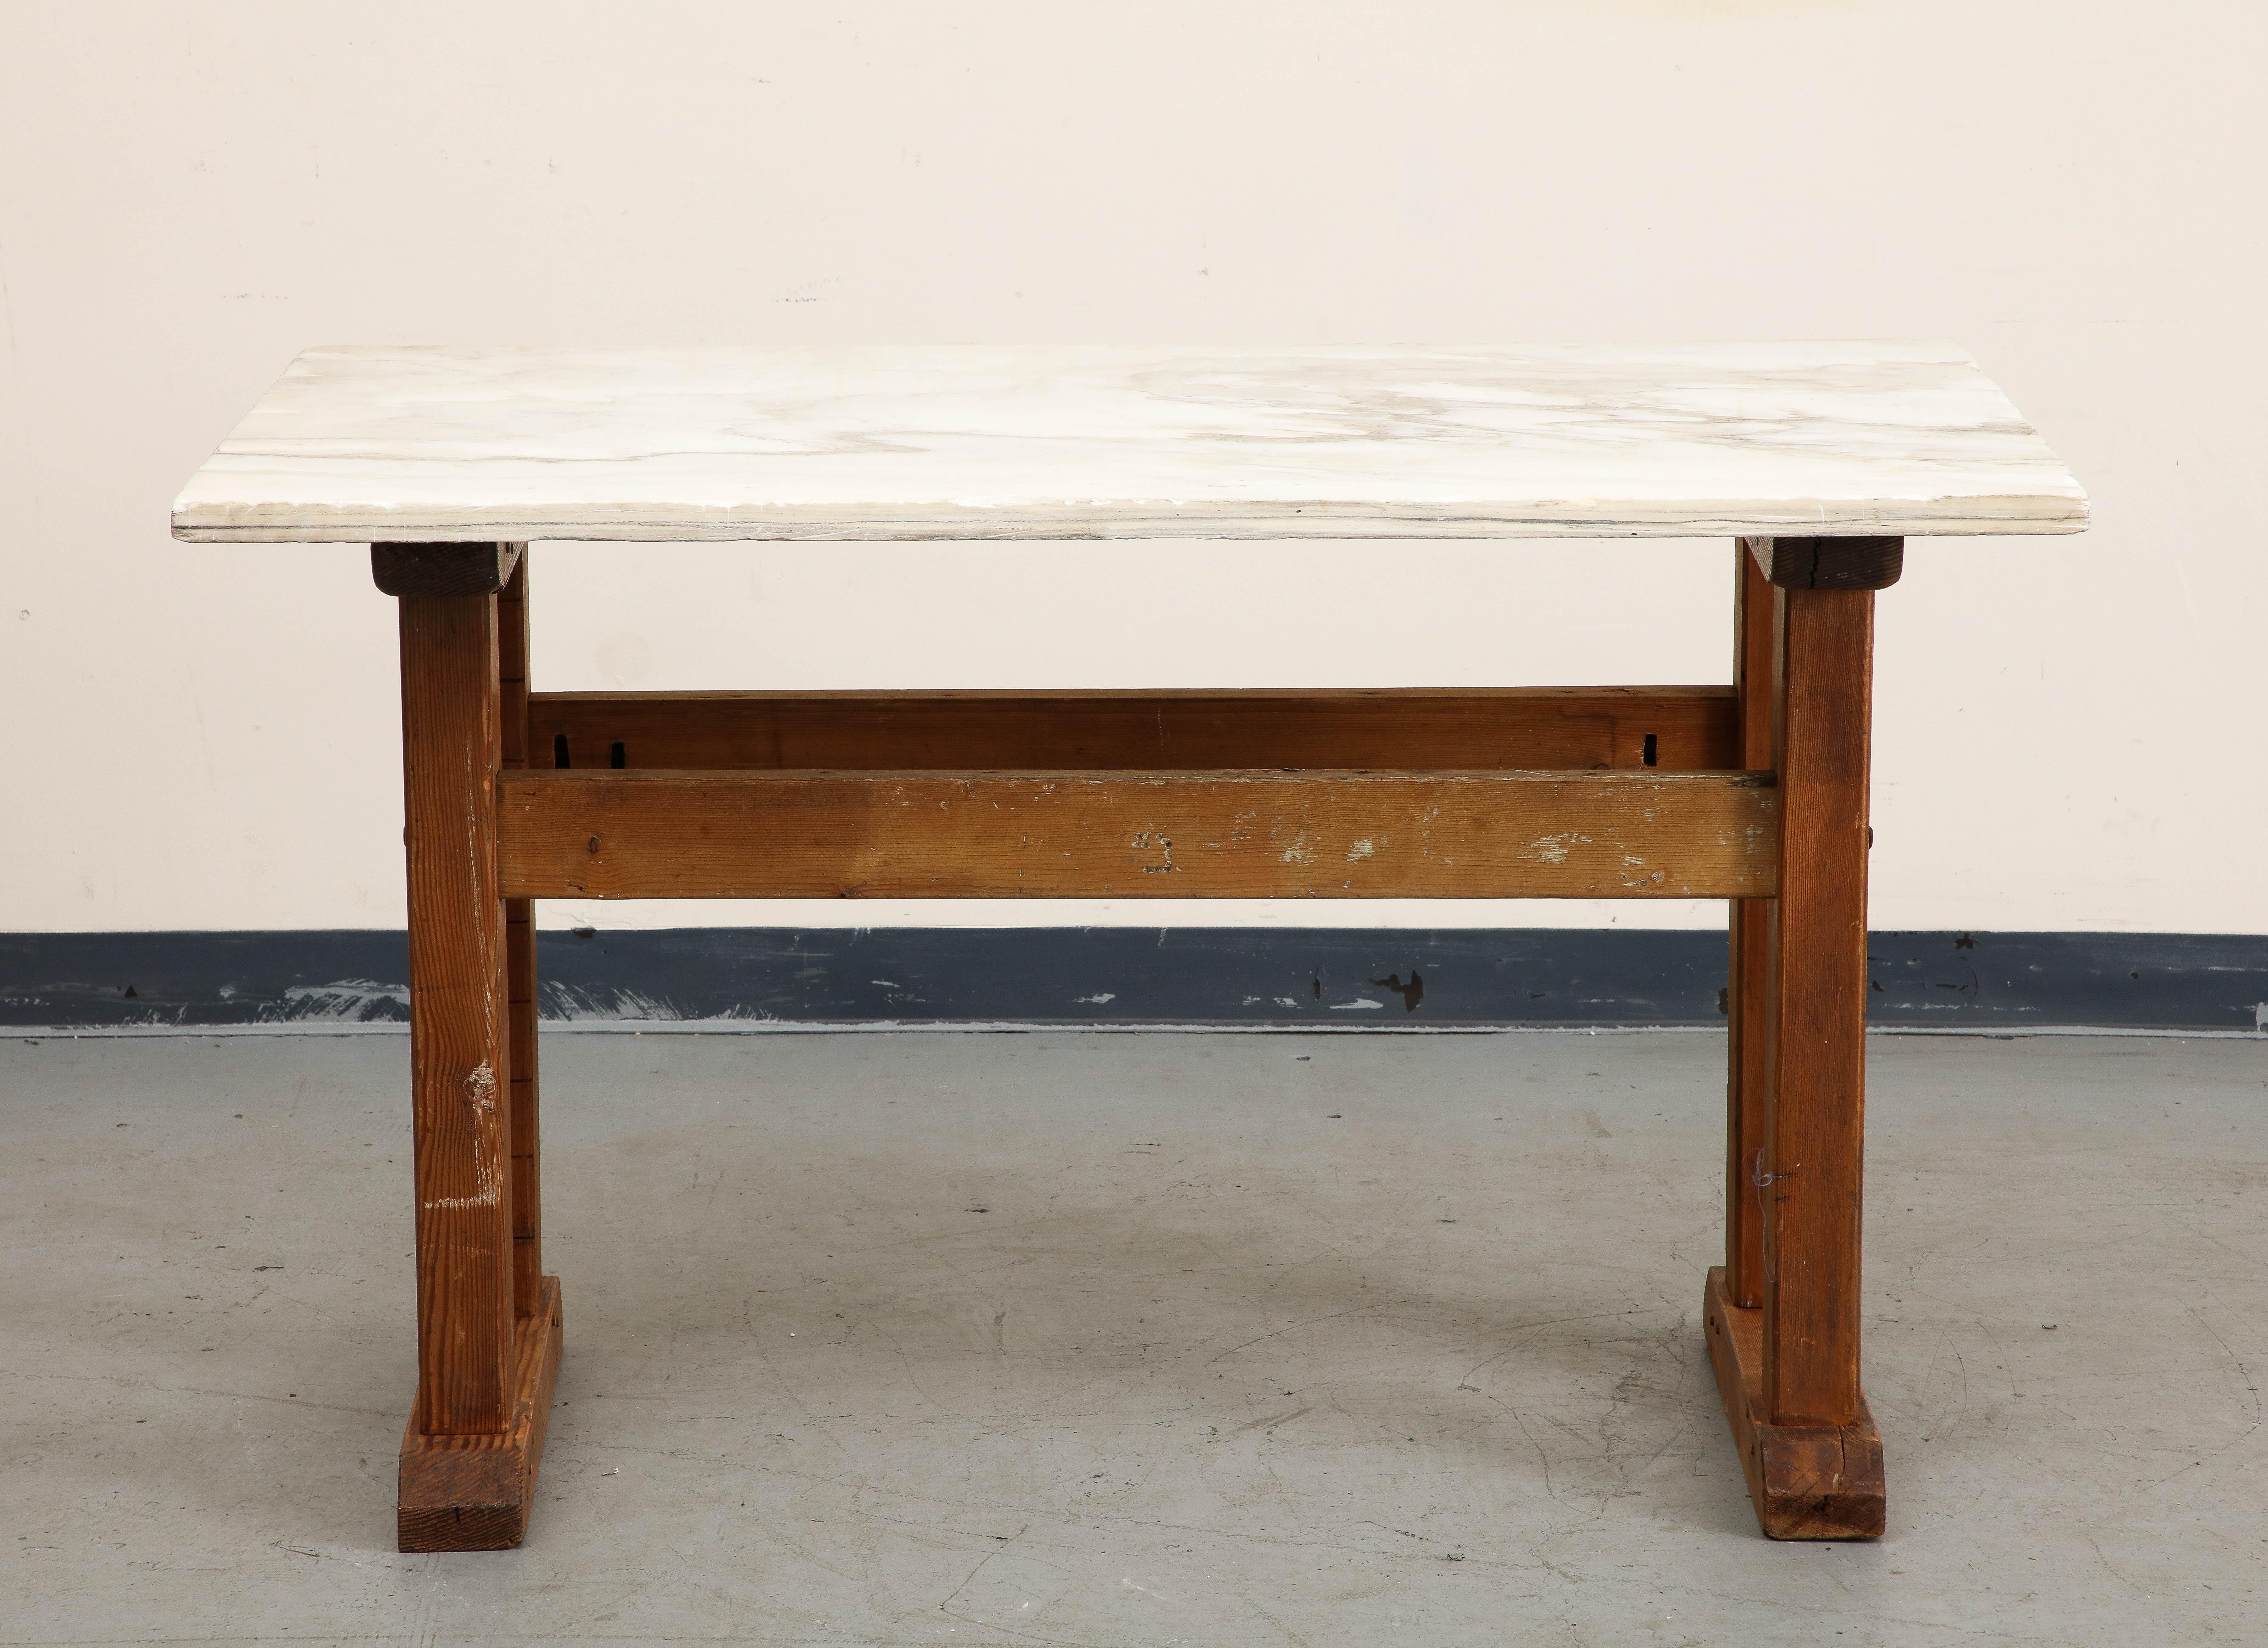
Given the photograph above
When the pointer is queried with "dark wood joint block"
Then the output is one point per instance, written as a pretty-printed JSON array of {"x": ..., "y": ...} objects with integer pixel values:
[
  {"x": 443, "y": 568},
  {"x": 468, "y": 1493},
  {"x": 1806, "y": 1482},
  {"x": 1830, "y": 563}
]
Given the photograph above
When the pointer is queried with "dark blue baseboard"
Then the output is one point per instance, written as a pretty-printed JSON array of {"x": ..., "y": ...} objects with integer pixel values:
[{"x": 1102, "y": 977}]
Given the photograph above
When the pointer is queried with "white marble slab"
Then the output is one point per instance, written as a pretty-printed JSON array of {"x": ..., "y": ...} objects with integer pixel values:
[{"x": 980, "y": 441}]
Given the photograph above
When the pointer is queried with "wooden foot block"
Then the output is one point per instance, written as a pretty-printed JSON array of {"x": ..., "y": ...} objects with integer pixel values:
[
  {"x": 467, "y": 1493},
  {"x": 1808, "y": 1481}
]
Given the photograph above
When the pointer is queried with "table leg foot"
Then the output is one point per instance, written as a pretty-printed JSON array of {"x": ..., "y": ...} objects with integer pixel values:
[
  {"x": 465, "y": 1493},
  {"x": 1806, "y": 1482}
]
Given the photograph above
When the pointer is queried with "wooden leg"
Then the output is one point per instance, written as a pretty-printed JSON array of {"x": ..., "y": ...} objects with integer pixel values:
[
  {"x": 520, "y": 968},
  {"x": 1816, "y": 1123},
  {"x": 485, "y": 1363},
  {"x": 1747, "y": 999},
  {"x": 1789, "y": 1370}
]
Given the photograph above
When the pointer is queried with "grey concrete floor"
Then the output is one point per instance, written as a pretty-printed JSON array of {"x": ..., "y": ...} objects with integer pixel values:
[{"x": 1131, "y": 1339}]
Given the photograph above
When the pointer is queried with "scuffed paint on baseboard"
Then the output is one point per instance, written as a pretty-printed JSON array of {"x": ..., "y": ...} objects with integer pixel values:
[{"x": 1118, "y": 977}]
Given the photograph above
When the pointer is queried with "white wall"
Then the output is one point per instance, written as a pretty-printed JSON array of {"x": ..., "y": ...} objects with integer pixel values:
[{"x": 205, "y": 737}]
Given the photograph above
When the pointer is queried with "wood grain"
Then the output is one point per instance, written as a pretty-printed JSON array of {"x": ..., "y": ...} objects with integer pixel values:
[
  {"x": 1806, "y": 1482},
  {"x": 1818, "y": 989},
  {"x": 1747, "y": 1001},
  {"x": 519, "y": 966},
  {"x": 1244, "y": 835},
  {"x": 443, "y": 568},
  {"x": 475, "y": 1492},
  {"x": 459, "y": 1000},
  {"x": 1692, "y": 729},
  {"x": 1137, "y": 835}
]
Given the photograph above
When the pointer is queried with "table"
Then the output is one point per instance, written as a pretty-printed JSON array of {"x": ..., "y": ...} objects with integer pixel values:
[{"x": 1820, "y": 458}]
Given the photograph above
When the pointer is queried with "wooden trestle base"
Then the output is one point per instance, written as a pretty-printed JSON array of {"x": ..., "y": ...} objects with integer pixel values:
[
  {"x": 1756, "y": 793},
  {"x": 473, "y": 1493},
  {"x": 1806, "y": 1482}
]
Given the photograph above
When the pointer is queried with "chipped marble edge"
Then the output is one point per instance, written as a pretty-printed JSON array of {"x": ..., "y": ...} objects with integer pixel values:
[{"x": 2012, "y": 515}]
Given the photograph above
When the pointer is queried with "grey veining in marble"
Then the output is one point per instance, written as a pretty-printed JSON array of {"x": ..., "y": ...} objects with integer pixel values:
[{"x": 1031, "y": 442}]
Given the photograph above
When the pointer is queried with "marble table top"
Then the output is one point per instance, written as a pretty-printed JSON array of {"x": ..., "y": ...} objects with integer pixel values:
[{"x": 982, "y": 441}]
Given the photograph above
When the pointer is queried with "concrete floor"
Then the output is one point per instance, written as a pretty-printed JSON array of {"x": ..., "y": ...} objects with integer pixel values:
[{"x": 1116, "y": 1339}]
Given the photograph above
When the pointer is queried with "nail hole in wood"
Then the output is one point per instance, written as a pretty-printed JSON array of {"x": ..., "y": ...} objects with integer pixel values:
[
  {"x": 559, "y": 749},
  {"x": 1652, "y": 749},
  {"x": 616, "y": 756}
]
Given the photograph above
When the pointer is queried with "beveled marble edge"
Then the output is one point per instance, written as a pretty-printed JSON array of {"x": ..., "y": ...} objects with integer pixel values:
[{"x": 2023, "y": 515}]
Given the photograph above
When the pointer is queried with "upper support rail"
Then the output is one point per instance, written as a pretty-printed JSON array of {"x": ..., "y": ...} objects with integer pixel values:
[{"x": 1669, "y": 729}]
